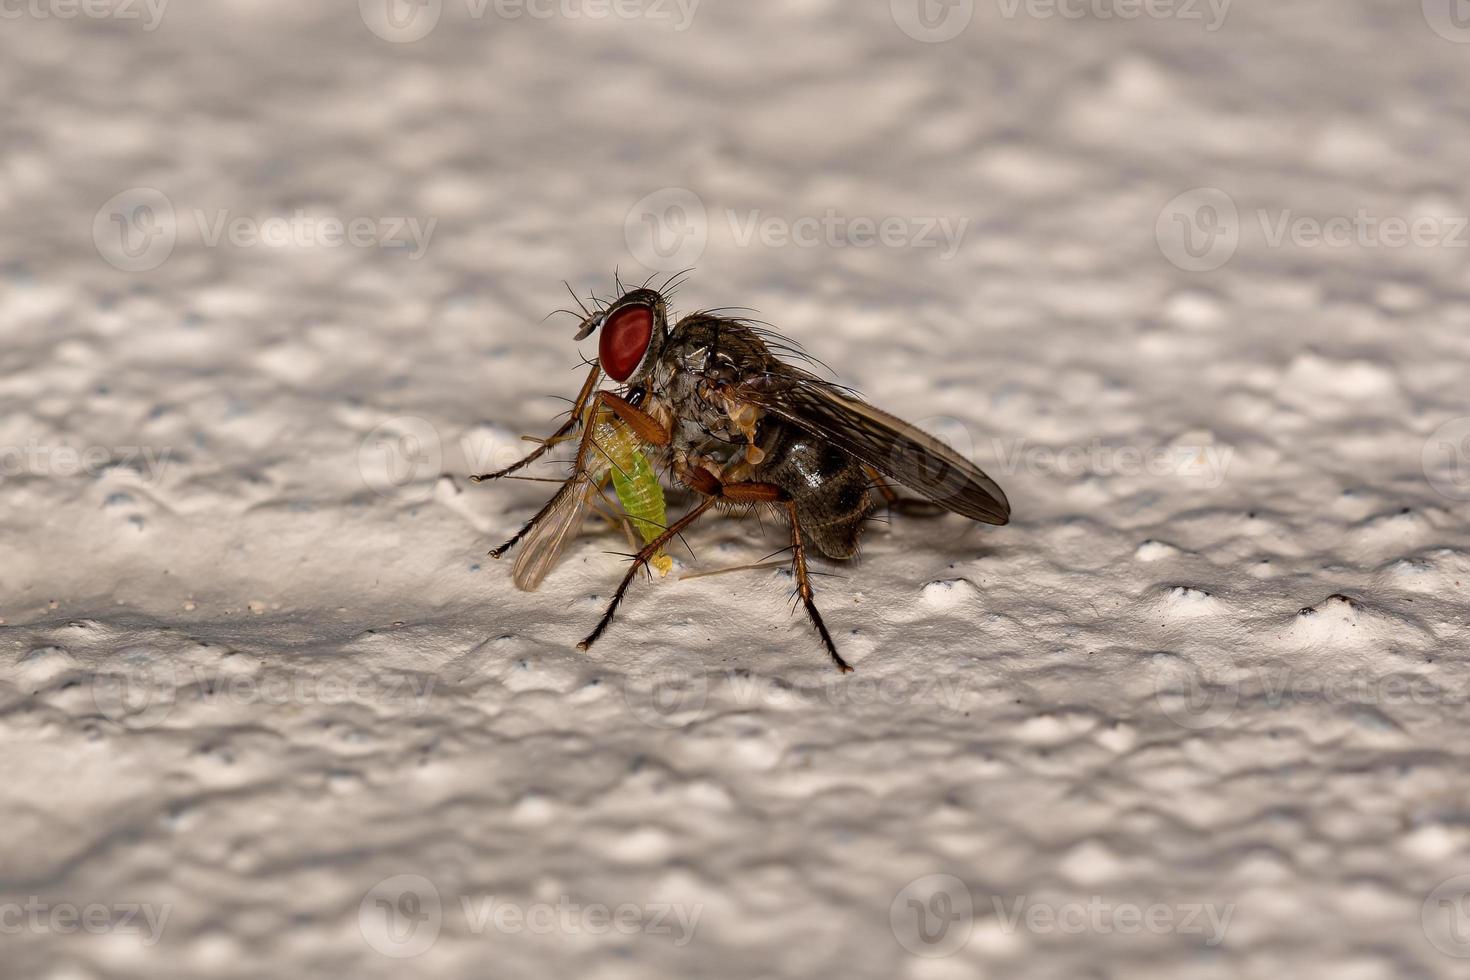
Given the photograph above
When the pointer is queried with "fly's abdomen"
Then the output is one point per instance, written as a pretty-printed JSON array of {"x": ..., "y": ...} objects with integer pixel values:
[
  {"x": 634, "y": 481},
  {"x": 829, "y": 487}
]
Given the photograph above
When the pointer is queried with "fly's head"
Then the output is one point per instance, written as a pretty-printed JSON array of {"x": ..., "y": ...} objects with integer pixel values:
[{"x": 634, "y": 330}]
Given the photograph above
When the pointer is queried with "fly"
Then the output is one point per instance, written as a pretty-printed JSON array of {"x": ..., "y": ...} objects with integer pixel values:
[{"x": 712, "y": 403}]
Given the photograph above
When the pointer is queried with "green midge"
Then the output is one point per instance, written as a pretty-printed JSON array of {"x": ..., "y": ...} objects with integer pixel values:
[{"x": 635, "y": 482}]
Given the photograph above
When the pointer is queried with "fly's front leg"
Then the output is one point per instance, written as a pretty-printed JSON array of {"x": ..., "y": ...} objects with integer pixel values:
[
  {"x": 556, "y": 437},
  {"x": 639, "y": 560},
  {"x": 709, "y": 486}
]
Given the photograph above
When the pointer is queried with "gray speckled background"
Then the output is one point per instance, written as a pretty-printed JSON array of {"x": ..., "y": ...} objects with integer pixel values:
[{"x": 1201, "y": 710}]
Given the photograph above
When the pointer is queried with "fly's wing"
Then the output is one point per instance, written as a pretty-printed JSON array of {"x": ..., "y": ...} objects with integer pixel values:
[
  {"x": 893, "y": 447},
  {"x": 543, "y": 547}
]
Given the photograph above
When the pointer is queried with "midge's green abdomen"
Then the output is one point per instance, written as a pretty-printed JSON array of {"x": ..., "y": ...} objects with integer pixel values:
[{"x": 634, "y": 481}]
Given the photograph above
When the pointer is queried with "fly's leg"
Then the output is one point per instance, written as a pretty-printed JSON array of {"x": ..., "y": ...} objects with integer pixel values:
[
  {"x": 560, "y": 435},
  {"x": 639, "y": 560},
  {"x": 908, "y": 506},
  {"x": 641, "y": 422},
  {"x": 804, "y": 588},
  {"x": 713, "y": 491}
]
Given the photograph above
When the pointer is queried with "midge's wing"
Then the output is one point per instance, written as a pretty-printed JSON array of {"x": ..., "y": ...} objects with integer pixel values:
[
  {"x": 893, "y": 447},
  {"x": 549, "y": 538}
]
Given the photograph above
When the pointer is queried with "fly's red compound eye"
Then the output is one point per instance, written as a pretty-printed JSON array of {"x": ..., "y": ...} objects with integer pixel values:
[{"x": 624, "y": 341}]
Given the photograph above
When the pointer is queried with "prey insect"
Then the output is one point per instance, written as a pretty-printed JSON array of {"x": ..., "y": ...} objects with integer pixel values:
[
  {"x": 712, "y": 401},
  {"x": 617, "y": 457}
]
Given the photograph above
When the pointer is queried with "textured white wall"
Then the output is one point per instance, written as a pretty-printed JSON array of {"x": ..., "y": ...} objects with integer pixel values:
[{"x": 1190, "y": 284}]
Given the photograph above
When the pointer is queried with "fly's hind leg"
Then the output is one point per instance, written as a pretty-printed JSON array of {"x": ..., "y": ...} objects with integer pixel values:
[
  {"x": 908, "y": 506},
  {"x": 804, "y": 588}
]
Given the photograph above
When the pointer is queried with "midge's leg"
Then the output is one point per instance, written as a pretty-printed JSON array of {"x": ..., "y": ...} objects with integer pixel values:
[
  {"x": 706, "y": 483},
  {"x": 804, "y": 588},
  {"x": 573, "y": 419},
  {"x": 647, "y": 428}
]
